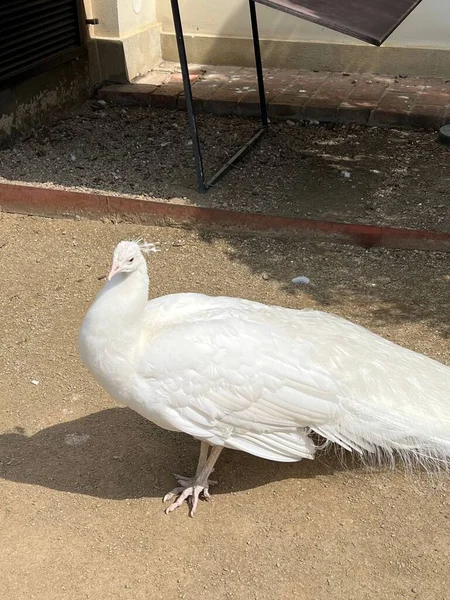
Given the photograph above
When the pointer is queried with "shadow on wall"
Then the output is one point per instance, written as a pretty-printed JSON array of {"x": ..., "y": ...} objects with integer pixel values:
[
  {"x": 278, "y": 33},
  {"x": 418, "y": 47},
  {"x": 44, "y": 98}
]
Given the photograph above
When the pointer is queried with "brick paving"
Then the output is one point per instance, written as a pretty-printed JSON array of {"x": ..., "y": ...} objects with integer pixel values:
[{"x": 374, "y": 100}]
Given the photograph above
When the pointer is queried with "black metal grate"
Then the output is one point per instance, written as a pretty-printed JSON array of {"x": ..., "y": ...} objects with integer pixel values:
[{"x": 35, "y": 34}]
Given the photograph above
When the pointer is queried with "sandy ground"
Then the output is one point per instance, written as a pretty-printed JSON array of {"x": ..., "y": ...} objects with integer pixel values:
[
  {"x": 82, "y": 479},
  {"x": 334, "y": 172}
]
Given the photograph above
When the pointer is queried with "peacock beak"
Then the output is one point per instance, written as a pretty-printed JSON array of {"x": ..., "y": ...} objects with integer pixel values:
[{"x": 114, "y": 269}]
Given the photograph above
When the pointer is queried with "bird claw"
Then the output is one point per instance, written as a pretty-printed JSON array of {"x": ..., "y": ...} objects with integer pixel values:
[
  {"x": 173, "y": 494},
  {"x": 190, "y": 490}
]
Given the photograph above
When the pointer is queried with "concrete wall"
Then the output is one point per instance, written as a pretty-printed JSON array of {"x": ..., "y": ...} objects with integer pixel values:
[
  {"x": 219, "y": 32},
  {"x": 43, "y": 98},
  {"x": 126, "y": 42}
]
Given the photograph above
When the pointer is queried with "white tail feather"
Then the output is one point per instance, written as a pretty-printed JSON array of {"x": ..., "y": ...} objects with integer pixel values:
[
  {"x": 381, "y": 439},
  {"x": 394, "y": 403}
]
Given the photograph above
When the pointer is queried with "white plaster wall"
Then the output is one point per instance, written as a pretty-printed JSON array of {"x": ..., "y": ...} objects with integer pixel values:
[
  {"x": 106, "y": 11},
  {"x": 427, "y": 26},
  {"x": 120, "y": 18},
  {"x": 135, "y": 15}
]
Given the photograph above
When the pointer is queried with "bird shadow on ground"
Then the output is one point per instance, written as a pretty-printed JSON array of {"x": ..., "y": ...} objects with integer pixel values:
[{"x": 116, "y": 454}]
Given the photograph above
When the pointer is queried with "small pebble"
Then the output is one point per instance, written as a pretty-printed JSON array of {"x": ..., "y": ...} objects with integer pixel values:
[
  {"x": 301, "y": 280},
  {"x": 35, "y": 382}
]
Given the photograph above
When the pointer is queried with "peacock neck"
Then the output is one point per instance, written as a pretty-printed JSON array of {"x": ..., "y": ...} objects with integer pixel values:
[
  {"x": 111, "y": 331},
  {"x": 122, "y": 302},
  {"x": 116, "y": 316}
]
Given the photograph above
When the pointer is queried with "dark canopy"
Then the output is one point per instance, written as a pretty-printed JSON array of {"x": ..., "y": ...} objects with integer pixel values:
[{"x": 369, "y": 20}]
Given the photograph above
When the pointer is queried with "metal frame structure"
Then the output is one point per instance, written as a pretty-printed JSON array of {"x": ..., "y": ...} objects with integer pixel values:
[
  {"x": 372, "y": 22},
  {"x": 203, "y": 183}
]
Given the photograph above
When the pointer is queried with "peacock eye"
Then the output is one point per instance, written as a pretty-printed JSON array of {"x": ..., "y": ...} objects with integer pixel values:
[{"x": 131, "y": 259}]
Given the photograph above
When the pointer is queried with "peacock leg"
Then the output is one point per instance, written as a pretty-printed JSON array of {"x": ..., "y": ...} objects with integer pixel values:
[{"x": 190, "y": 488}]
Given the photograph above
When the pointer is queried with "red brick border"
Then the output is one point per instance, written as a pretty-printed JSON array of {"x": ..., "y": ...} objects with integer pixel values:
[
  {"x": 32, "y": 200},
  {"x": 330, "y": 97}
]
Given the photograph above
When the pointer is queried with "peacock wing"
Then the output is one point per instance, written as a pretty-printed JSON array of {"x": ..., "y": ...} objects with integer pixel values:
[{"x": 238, "y": 384}]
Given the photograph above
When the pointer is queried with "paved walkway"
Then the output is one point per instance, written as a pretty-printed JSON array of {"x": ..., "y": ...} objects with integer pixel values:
[{"x": 376, "y": 100}]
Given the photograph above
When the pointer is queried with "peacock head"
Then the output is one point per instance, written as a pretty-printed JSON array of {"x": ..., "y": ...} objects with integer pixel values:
[{"x": 128, "y": 256}]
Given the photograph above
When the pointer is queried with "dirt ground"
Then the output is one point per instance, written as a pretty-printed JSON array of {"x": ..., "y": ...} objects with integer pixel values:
[
  {"x": 82, "y": 479},
  {"x": 334, "y": 172}
]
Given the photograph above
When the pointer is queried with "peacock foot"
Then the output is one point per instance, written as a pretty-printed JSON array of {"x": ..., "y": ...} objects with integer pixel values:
[{"x": 190, "y": 489}]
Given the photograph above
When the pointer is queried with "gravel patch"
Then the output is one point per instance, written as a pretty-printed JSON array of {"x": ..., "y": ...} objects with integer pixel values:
[{"x": 341, "y": 173}]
